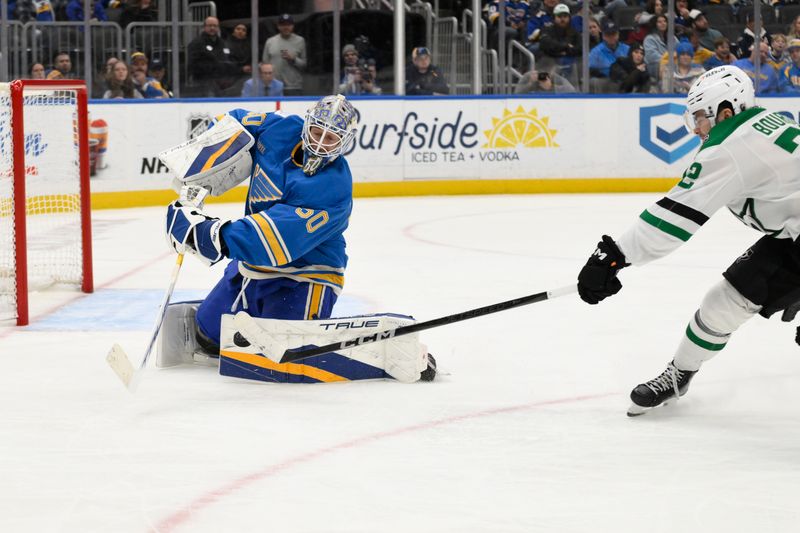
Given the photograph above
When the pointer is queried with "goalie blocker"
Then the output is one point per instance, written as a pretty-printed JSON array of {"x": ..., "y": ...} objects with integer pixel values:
[{"x": 246, "y": 343}]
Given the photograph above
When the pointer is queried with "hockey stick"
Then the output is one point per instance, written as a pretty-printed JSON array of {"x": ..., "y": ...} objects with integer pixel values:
[
  {"x": 117, "y": 358},
  {"x": 295, "y": 354}
]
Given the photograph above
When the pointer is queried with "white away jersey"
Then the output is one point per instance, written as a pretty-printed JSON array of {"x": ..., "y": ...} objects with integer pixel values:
[{"x": 750, "y": 164}]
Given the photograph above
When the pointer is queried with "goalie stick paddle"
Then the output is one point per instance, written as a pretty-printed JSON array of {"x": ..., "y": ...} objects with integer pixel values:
[
  {"x": 117, "y": 359},
  {"x": 295, "y": 354}
]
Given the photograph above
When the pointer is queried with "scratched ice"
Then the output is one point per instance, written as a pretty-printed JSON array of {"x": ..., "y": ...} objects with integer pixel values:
[{"x": 524, "y": 431}]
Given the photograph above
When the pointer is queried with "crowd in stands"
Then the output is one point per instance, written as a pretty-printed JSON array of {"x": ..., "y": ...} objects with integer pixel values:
[
  {"x": 628, "y": 58},
  {"x": 634, "y": 58}
]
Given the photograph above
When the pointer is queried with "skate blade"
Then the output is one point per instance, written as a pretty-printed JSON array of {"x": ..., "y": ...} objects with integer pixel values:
[{"x": 637, "y": 410}]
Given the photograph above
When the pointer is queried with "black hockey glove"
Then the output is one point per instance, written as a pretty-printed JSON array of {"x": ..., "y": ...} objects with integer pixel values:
[{"x": 598, "y": 278}]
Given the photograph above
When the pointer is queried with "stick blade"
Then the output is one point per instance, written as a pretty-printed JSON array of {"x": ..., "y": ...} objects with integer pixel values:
[{"x": 120, "y": 364}]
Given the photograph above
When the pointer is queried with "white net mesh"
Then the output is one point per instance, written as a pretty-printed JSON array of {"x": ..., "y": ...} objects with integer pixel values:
[{"x": 52, "y": 193}]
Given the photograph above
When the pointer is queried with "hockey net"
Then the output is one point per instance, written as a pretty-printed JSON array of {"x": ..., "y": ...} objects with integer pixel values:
[{"x": 45, "y": 235}]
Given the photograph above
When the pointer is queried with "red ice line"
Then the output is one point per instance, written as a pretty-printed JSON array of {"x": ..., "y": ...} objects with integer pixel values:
[{"x": 185, "y": 514}]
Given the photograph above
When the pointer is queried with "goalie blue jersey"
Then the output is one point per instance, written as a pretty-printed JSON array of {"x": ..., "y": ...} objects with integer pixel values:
[{"x": 293, "y": 223}]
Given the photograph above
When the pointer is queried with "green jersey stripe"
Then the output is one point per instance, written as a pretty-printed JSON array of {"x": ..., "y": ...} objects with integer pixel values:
[
  {"x": 701, "y": 343},
  {"x": 665, "y": 226},
  {"x": 723, "y": 130}
]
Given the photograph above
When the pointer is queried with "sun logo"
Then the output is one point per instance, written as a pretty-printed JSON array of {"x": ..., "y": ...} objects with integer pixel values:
[{"x": 520, "y": 128}]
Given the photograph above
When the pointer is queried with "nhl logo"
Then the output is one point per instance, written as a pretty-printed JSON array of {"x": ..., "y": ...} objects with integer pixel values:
[{"x": 198, "y": 124}]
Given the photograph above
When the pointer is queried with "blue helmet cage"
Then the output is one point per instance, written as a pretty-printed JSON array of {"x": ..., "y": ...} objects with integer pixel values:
[{"x": 332, "y": 114}]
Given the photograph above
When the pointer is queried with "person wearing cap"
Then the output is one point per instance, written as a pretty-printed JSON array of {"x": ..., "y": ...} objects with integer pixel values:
[
  {"x": 145, "y": 84},
  {"x": 286, "y": 52},
  {"x": 643, "y": 25},
  {"x": 158, "y": 72},
  {"x": 769, "y": 82},
  {"x": 422, "y": 78},
  {"x": 350, "y": 65},
  {"x": 631, "y": 72},
  {"x": 138, "y": 11},
  {"x": 517, "y": 14},
  {"x": 542, "y": 19},
  {"x": 209, "y": 59},
  {"x": 686, "y": 71},
  {"x": 266, "y": 84},
  {"x": 241, "y": 51},
  {"x": 607, "y": 52},
  {"x": 560, "y": 42},
  {"x": 790, "y": 73},
  {"x": 705, "y": 33},
  {"x": 655, "y": 45},
  {"x": 722, "y": 54},
  {"x": 744, "y": 45}
]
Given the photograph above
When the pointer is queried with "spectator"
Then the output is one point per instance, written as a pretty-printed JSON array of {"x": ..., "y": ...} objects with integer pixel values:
[
  {"x": 422, "y": 77},
  {"x": 706, "y": 35},
  {"x": 286, "y": 52},
  {"x": 543, "y": 82},
  {"x": 682, "y": 17},
  {"x": 210, "y": 61},
  {"x": 517, "y": 13},
  {"x": 595, "y": 33},
  {"x": 363, "y": 83},
  {"x": 36, "y": 72},
  {"x": 266, "y": 84},
  {"x": 138, "y": 11},
  {"x": 241, "y": 52},
  {"x": 778, "y": 56},
  {"x": 655, "y": 7},
  {"x": 631, "y": 72},
  {"x": 794, "y": 29},
  {"x": 27, "y": 10},
  {"x": 769, "y": 82},
  {"x": 607, "y": 52},
  {"x": 120, "y": 84},
  {"x": 350, "y": 68},
  {"x": 722, "y": 54},
  {"x": 75, "y": 11},
  {"x": 701, "y": 55},
  {"x": 643, "y": 27},
  {"x": 62, "y": 67},
  {"x": 542, "y": 19},
  {"x": 745, "y": 43},
  {"x": 791, "y": 72},
  {"x": 145, "y": 84},
  {"x": 655, "y": 45},
  {"x": 158, "y": 72},
  {"x": 559, "y": 40},
  {"x": 685, "y": 72}
]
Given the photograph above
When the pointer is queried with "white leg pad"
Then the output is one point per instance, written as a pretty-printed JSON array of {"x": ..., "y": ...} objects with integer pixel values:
[
  {"x": 721, "y": 313},
  {"x": 404, "y": 358},
  {"x": 177, "y": 343}
]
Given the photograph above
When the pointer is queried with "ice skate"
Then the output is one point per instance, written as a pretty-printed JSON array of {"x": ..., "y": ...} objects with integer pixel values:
[
  {"x": 671, "y": 383},
  {"x": 429, "y": 374}
]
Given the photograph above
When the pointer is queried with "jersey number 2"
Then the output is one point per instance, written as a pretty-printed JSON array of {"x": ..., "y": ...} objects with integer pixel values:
[
  {"x": 689, "y": 175},
  {"x": 786, "y": 140}
]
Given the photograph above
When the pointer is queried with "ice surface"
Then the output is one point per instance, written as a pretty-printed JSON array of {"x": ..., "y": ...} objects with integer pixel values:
[{"x": 525, "y": 431}]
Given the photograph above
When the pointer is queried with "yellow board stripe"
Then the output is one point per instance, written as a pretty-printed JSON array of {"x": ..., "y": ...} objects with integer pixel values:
[
  {"x": 215, "y": 155},
  {"x": 272, "y": 239},
  {"x": 122, "y": 199},
  {"x": 315, "y": 302},
  {"x": 290, "y": 368}
]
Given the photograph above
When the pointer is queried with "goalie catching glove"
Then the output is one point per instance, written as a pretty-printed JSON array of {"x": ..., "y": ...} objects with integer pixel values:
[
  {"x": 190, "y": 230},
  {"x": 598, "y": 278}
]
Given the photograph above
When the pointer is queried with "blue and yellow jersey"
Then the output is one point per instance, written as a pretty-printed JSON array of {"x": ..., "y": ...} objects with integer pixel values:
[{"x": 293, "y": 225}]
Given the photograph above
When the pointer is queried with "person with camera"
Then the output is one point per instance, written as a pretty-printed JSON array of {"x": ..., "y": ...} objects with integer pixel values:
[
  {"x": 362, "y": 82},
  {"x": 422, "y": 78},
  {"x": 543, "y": 82}
]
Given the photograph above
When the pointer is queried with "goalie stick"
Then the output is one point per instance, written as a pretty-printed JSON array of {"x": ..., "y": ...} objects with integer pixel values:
[
  {"x": 295, "y": 354},
  {"x": 117, "y": 358}
]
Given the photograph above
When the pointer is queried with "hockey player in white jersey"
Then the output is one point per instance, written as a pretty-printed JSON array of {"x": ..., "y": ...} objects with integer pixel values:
[{"x": 749, "y": 162}]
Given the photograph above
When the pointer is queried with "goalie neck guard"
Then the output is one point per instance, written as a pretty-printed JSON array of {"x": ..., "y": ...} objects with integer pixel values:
[{"x": 328, "y": 132}]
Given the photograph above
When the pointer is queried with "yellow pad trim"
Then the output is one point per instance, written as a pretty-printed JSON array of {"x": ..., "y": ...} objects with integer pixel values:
[{"x": 290, "y": 368}]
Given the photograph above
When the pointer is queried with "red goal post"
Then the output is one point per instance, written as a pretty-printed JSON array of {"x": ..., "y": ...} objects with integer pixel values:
[{"x": 44, "y": 191}]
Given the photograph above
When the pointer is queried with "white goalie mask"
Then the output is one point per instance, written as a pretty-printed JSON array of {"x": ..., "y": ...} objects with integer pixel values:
[
  {"x": 328, "y": 132},
  {"x": 721, "y": 84}
]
